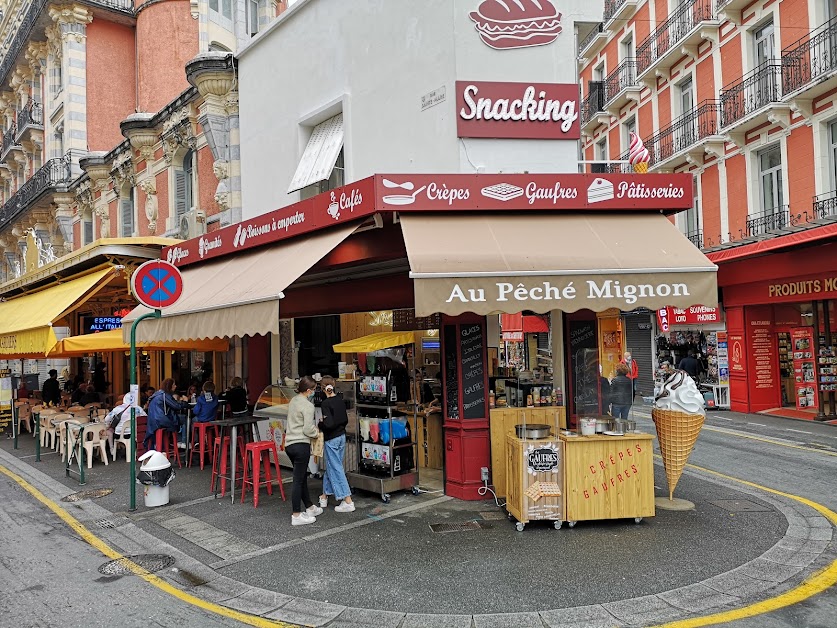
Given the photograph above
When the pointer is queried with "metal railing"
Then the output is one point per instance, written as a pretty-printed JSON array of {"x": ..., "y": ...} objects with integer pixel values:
[
  {"x": 611, "y": 7},
  {"x": 684, "y": 132},
  {"x": 824, "y": 206},
  {"x": 9, "y": 139},
  {"x": 584, "y": 43},
  {"x": 30, "y": 18},
  {"x": 31, "y": 115},
  {"x": 617, "y": 168},
  {"x": 754, "y": 90},
  {"x": 623, "y": 77},
  {"x": 679, "y": 24},
  {"x": 767, "y": 221},
  {"x": 52, "y": 173},
  {"x": 720, "y": 4},
  {"x": 594, "y": 102},
  {"x": 811, "y": 57},
  {"x": 696, "y": 238}
]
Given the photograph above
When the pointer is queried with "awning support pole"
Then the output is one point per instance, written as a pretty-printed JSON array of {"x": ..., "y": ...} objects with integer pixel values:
[{"x": 132, "y": 467}]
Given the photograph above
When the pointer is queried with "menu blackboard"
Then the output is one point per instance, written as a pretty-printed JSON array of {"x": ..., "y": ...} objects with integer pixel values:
[
  {"x": 473, "y": 371},
  {"x": 5, "y": 417},
  {"x": 406, "y": 320},
  {"x": 451, "y": 365}
]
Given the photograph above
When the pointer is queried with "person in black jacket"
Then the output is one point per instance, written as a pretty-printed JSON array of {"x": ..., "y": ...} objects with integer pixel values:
[
  {"x": 691, "y": 365},
  {"x": 621, "y": 393},
  {"x": 333, "y": 427},
  {"x": 51, "y": 392},
  {"x": 236, "y": 396}
]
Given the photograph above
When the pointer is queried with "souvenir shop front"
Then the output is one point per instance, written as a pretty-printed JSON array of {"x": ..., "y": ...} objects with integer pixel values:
[
  {"x": 341, "y": 251},
  {"x": 781, "y": 322}
]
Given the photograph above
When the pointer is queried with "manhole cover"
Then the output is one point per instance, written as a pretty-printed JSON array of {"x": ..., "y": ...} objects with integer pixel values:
[
  {"x": 444, "y": 528},
  {"x": 493, "y": 515},
  {"x": 92, "y": 494},
  {"x": 740, "y": 505},
  {"x": 149, "y": 562},
  {"x": 113, "y": 522}
]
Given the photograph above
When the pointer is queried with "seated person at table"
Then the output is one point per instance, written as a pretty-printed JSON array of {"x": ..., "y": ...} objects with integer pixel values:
[
  {"x": 236, "y": 396},
  {"x": 90, "y": 395},
  {"x": 51, "y": 392},
  {"x": 22, "y": 391},
  {"x": 206, "y": 408},
  {"x": 118, "y": 420},
  {"x": 163, "y": 409}
]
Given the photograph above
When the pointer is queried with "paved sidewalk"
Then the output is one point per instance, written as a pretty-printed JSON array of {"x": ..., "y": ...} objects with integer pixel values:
[{"x": 384, "y": 566}]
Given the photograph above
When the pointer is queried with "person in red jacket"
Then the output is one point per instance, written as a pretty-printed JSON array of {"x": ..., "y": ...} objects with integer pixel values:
[{"x": 633, "y": 369}]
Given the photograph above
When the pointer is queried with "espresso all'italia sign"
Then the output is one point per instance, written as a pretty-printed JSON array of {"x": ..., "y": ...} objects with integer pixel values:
[{"x": 546, "y": 111}]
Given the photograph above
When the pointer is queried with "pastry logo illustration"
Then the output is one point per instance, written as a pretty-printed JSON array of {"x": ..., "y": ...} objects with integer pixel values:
[
  {"x": 638, "y": 155},
  {"x": 502, "y": 192},
  {"x": 334, "y": 207},
  {"x": 504, "y": 24},
  {"x": 600, "y": 190}
]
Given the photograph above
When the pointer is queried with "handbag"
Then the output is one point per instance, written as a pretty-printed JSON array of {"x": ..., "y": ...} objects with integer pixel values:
[{"x": 318, "y": 445}]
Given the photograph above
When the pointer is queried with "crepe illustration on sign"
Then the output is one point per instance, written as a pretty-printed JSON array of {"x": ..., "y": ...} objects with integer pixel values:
[
  {"x": 600, "y": 190},
  {"x": 502, "y": 191},
  {"x": 401, "y": 199},
  {"x": 504, "y": 24}
]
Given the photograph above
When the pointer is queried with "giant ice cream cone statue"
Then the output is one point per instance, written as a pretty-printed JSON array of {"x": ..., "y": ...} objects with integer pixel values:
[
  {"x": 678, "y": 415},
  {"x": 638, "y": 155}
]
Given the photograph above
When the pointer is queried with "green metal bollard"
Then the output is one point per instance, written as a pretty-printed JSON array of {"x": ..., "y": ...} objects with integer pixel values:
[
  {"x": 37, "y": 417},
  {"x": 14, "y": 422}
]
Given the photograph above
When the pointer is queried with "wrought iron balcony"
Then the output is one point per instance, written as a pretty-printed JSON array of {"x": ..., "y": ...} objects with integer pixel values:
[
  {"x": 619, "y": 168},
  {"x": 751, "y": 93},
  {"x": 596, "y": 32},
  {"x": 618, "y": 9},
  {"x": 53, "y": 173},
  {"x": 768, "y": 221},
  {"x": 9, "y": 140},
  {"x": 811, "y": 58},
  {"x": 32, "y": 115},
  {"x": 592, "y": 106},
  {"x": 696, "y": 238},
  {"x": 825, "y": 206},
  {"x": 731, "y": 9},
  {"x": 621, "y": 85},
  {"x": 674, "y": 37},
  {"x": 688, "y": 131}
]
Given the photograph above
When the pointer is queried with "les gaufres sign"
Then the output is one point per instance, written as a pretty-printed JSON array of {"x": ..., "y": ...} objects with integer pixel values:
[
  {"x": 517, "y": 110},
  {"x": 543, "y": 459}
]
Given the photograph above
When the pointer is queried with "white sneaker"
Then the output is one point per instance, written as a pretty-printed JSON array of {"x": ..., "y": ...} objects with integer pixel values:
[
  {"x": 302, "y": 519},
  {"x": 345, "y": 507},
  {"x": 314, "y": 511},
  {"x": 181, "y": 445},
  {"x": 324, "y": 502}
]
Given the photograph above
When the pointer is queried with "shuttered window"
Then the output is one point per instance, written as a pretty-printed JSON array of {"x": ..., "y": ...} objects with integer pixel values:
[
  {"x": 126, "y": 212},
  {"x": 183, "y": 179},
  {"x": 87, "y": 236}
]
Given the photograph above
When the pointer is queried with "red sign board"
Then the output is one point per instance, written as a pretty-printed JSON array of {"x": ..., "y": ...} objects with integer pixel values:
[
  {"x": 512, "y": 336},
  {"x": 541, "y": 111},
  {"x": 695, "y": 315},
  {"x": 791, "y": 290},
  {"x": 157, "y": 284},
  {"x": 443, "y": 193}
]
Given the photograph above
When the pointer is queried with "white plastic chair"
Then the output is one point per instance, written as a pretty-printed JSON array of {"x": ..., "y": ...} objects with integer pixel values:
[
  {"x": 24, "y": 417},
  {"x": 123, "y": 439},
  {"x": 93, "y": 439}
]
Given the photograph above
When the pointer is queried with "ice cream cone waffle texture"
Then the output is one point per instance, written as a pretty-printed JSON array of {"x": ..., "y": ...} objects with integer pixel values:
[
  {"x": 677, "y": 434},
  {"x": 641, "y": 168}
]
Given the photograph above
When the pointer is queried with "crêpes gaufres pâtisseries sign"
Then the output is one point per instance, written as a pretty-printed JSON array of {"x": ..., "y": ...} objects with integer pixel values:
[{"x": 504, "y": 24}]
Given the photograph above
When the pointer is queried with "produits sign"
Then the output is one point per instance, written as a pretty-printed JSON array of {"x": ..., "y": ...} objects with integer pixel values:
[{"x": 544, "y": 111}]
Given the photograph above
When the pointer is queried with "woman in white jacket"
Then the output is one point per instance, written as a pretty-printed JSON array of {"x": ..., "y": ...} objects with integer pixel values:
[{"x": 299, "y": 431}]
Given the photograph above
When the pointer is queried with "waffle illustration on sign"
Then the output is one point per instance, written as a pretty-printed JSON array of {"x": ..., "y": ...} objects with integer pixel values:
[
  {"x": 600, "y": 190},
  {"x": 502, "y": 191},
  {"x": 543, "y": 489}
]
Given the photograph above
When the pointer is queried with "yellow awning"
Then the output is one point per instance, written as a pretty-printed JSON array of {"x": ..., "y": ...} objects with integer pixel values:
[
  {"x": 26, "y": 321},
  {"x": 106, "y": 341},
  {"x": 376, "y": 342}
]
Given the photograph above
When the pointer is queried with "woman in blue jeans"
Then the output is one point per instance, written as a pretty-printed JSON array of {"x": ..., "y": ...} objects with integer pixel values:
[
  {"x": 333, "y": 427},
  {"x": 621, "y": 393}
]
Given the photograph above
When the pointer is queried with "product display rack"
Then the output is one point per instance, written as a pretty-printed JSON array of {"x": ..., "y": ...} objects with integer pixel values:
[{"x": 380, "y": 466}]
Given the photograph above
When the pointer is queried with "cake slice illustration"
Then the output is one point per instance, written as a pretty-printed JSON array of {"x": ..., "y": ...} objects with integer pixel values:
[
  {"x": 600, "y": 190},
  {"x": 502, "y": 191}
]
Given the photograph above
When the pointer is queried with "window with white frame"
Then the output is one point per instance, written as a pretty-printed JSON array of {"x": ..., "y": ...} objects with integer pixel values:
[
  {"x": 127, "y": 211},
  {"x": 600, "y": 155},
  {"x": 626, "y": 47},
  {"x": 336, "y": 180},
  {"x": 770, "y": 179},
  {"x": 687, "y": 96},
  {"x": 691, "y": 222},
  {"x": 832, "y": 153},
  {"x": 628, "y": 127},
  {"x": 87, "y": 228},
  {"x": 252, "y": 17},
  {"x": 221, "y": 12},
  {"x": 764, "y": 39}
]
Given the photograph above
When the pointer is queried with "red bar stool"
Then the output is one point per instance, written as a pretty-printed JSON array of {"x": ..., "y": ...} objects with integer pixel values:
[
  {"x": 165, "y": 441},
  {"x": 259, "y": 453},
  {"x": 220, "y": 457},
  {"x": 203, "y": 437}
]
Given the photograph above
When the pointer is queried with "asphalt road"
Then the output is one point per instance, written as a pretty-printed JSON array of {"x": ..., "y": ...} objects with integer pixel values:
[
  {"x": 49, "y": 578},
  {"x": 801, "y": 460}
]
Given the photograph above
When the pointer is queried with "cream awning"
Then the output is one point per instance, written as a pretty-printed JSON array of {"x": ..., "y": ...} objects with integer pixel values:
[
  {"x": 26, "y": 321},
  {"x": 236, "y": 295},
  {"x": 541, "y": 262}
]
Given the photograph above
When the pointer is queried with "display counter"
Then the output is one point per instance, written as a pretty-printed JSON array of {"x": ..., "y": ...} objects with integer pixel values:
[
  {"x": 608, "y": 477},
  {"x": 502, "y": 422}
]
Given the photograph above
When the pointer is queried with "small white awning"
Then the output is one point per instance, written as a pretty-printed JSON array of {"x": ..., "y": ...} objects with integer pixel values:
[{"x": 320, "y": 154}]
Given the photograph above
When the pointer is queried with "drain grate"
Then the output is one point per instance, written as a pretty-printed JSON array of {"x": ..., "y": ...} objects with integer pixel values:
[
  {"x": 445, "y": 528},
  {"x": 92, "y": 494},
  {"x": 149, "y": 562},
  {"x": 493, "y": 515},
  {"x": 740, "y": 505},
  {"x": 113, "y": 522}
]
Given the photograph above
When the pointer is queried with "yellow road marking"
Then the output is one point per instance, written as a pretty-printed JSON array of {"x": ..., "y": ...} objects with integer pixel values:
[
  {"x": 156, "y": 581},
  {"x": 814, "y": 584}
]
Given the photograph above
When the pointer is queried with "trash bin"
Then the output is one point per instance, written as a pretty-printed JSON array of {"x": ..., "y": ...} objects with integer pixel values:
[{"x": 155, "y": 475}]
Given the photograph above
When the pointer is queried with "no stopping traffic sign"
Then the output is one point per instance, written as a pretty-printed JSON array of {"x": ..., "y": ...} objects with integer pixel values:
[{"x": 157, "y": 284}]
